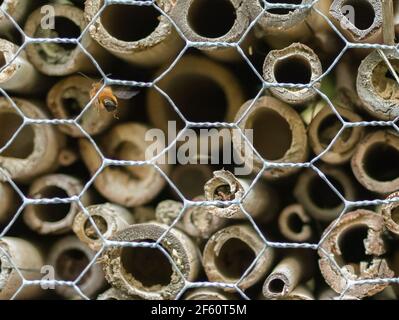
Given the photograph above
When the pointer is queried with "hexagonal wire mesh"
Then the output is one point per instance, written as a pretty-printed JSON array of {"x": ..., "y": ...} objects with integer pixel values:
[{"x": 105, "y": 162}]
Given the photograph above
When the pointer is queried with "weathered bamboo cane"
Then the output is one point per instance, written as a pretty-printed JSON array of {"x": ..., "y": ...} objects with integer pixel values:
[
  {"x": 18, "y": 10},
  {"x": 294, "y": 223}
]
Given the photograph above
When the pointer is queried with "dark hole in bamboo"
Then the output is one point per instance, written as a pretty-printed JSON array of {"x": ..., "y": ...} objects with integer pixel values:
[
  {"x": 282, "y": 11},
  {"x": 2, "y": 59},
  {"x": 101, "y": 224},
  {"x": 234, "y": 258},
  {"x": 395, "y": 215},
  {"x": 329, "y": 128},
  {"x": 276, "y": 286},
  {"x": 293, "y": 69},
  {"x": 192, "y": 182},
  {"x": 364, "y": 13},
  {"x": 52, "y": 212},
  {"x": 66, "y": 28},
  {"x": 23, "y": 144},
  {"x": 130, "y": 22},
  {"x": 71, "y": 263},
  {"x": 211, "y": 18},
  {"x": 381, "y": 162},
  {"x": 147, "y": 265},
  {"x": 351, "y": 244},
  {"x": 295, "y": 223},
  {"x": 322, "y": 195},
  {"x": 72, "y": 107},
  {"x": 272, "y": 134}
]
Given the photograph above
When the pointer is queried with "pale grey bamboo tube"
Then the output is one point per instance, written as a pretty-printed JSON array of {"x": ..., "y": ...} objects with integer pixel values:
[
  {"x": 54, "y": 218},
  {"x": 208, "y": 294},
  {"x": 231, "y": 251},
  {"x": 62, "y": 59},
  {"x": 167, "y": 211},
  {"x": 147, "y": 272},
  {"x": 270, "y": 117},
  {"x": 68, "y": 97},
  {"x": 28, "y": 259},
  {"x": 109, "y": 219},
  {"x": 9, "y": 202},
  {"x": 294, "y": 223},
  {"x": 18, "y": 10},
  {"x": 69, "y": 257},
  {"x": 151, "y": 39},
  {"x": 35, "y": 150}
]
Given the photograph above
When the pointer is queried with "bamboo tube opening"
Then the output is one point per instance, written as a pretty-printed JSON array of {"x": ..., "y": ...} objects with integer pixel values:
[
  {"x": 52, "y": 212},
  {"x": 142, "y": 21},
  {"x": 381, "y": 162},
  {"x": 295, "y": 223},
  {"x": 384, "y": 81},
  {"x": 267, "y": 123},
  {"x": 329, "y": 128},
  {"x": 3, "y": 59},
  {"x": 364, "y": 13},
  {"x": 70, "y": 264},
  {"x": 149, "y": 266},
  {"x": 293, "y": 69},
  {"x": 234, "y": 258},
  {"x": 211, "y": 18},
  {"x": 281, "y": 11},
  {"x": 351, "y": 245},
  {"x": 395, "y": 215},
  {"x": 101, "y": 224},
  {"x": 72, "y": 105},
  {"x": 276, "y": 286},
  {"x": 322, "y": 195}
]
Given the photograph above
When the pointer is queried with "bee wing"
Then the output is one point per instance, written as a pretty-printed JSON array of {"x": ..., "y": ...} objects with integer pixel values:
[{"x": 125, "y": 93}]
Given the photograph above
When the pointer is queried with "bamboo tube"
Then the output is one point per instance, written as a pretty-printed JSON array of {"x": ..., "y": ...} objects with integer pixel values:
[
  {"x": 115, "y": 294},
  {"x": 28, "y": 259},
  {"x": 70, "y": 257},
  {"x": 143, "y": 214},
  {"x": 377, "y": 87},
  {"x": 19, "y": 77},
  {"x": 128, "y": 186},
  {"x": 202, "y": 90},
  {"x": 224, "y": 186},
  {"x": 68, "y": 97},
  {"x": 18, "y": 10},
  {"x": 390, "y": 214},
  {"x": 230, "y": 20},
  {"x": 356, "y": 244},
  {"x": 374, "y": 162},
  {"x": 329, "y": 294},
  {"x": 147, "y": 272},
  {"x": 231, "y": 251},
  {"x": 151, "y": 39},
  {"x": 297, "y": 64},
  {"x": 68, "y": 157},
  {"x": 294, "y": 223},
  {"x": 54, "y": 218},
  {"x": 208, "y": 294},
  {"x": 269, "y": 117},
  {"x": 299, "y": 293},
  {"x": 35, "y": 150},
  {"x": 167, "y": 212},
  {"x": 200, "y": 222},
  {"x": 323, "y": 129},
  {"x": 109, "y": 219},
  {"x": 9, "y": 202},
  {"x": 316, "y": 196},
  {"x": 367, "y": 23},
  {"x": 57, "y": 59},
  {"x": 287, "y": 275}
]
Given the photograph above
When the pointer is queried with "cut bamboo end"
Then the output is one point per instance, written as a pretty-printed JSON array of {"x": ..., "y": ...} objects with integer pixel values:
[
  {"x": 208, "y": 294},
  {"x": 16, "y": 252},
  {"x": 36, "y": 148},
  {"x": 115, "y": 294},
  {"x": 296, "y": 64},
  {"x": 18, "y": 10},
  {"x": 129, "y": 185},
  {"x": 231, "y": 251},
  {"x": 109, "y": 219},
  {"x": 9, "y": 202},
  {"x": 361, "y": 230},
  {"x": 200, "y": 222},
  {"x": 323, "y": 129},
  {"x": 224, "y": 186},
  {"x": 390, "y": 213},
  {"x": 230, "y": 20},
  {"x": 57, "y": 59},
  {"x": 147, "y": 272},
  {"x": 70, "y": 257},
  {"x": 68, "y": 98},
  {"x": 286, "y": 276},
  {"x": 201, "y": 89},
  {"x": 269, "y": 117},
  {"x": 367, "y": 16},
  {"x": 376, "y": 89},
  {"x": 294, "y": 223},
  {"x": 374, "y": 162},
  {"x": 19, "y": 77},
  {"x": 167, "y": 212},
  {"x": 54, "y": 218},
  {"x": 150, "y": 41},
  {"x": 316, "y": 196}
]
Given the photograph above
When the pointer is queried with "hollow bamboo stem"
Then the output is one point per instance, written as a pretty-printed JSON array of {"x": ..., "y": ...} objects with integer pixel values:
[
  {"x": 390, "y": 212},
  {"x": 294, "y": 223},
  {"x": 167, "y": 212},
  {"x": 18, "y": 10}
]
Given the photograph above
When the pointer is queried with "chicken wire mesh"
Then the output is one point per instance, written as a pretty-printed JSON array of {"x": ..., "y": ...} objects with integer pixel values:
[{"x": 348, "y": 204}]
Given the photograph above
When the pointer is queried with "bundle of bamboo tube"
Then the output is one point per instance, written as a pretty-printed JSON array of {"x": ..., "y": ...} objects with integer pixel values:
[{"x": 288, "y": 190}]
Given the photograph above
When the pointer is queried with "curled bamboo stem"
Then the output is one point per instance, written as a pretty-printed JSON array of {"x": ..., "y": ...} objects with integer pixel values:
[
  {"x": 146, "y": 272},
  {"x": 109, "y": 219},
  {"x": 374, "y": 162},
  {"x": 69, "y": 257},
  {"x": 35, "y": 150},
  {"x": 231, "y": 251},
  {"x": 130, "y": 185},
  {"x": 28, "y": 259},
  {"x": 208, "y": 294},
  {"x": 56, "y": 59},
  {"x": 361, "y": 230},
  {"x": 294, "y": 223},
  {"x": 150, "y": 41},
  {"x": 68, "y": 97},
  {"x": 57, "y": 218},
  {"x": 268, "y": 117},
  {"x": 297, "y": 64}
]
